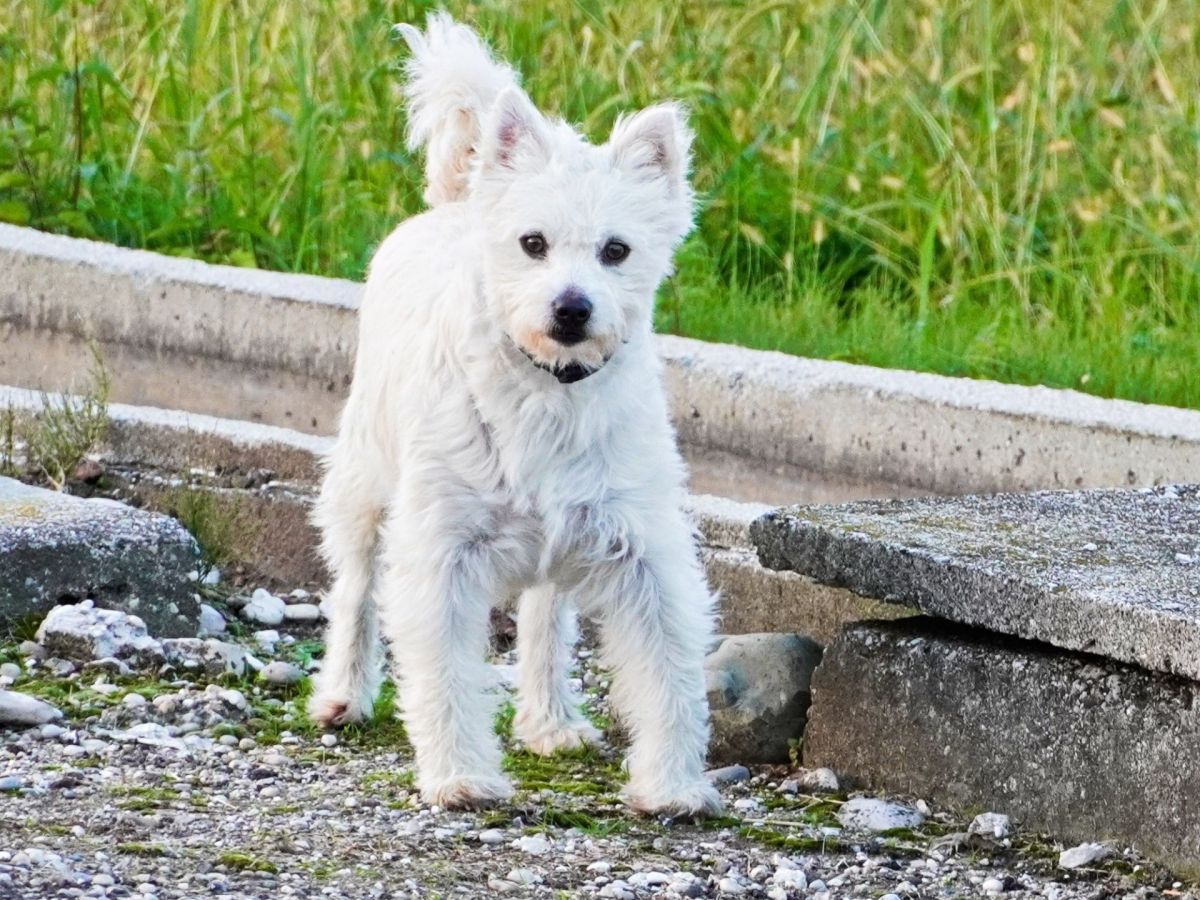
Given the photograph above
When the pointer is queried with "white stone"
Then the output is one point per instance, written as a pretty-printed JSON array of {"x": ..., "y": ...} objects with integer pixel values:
[
  {"x": 995, "y": 826},
  {"x": 133, "y": 700},
  {"x": 21, "y": 709},
  {"x": 81, "y": 631},
  {"x": 649, "y": 879},
  {"x": 281, "y": 673},
  {"x": 10, "y": 670},
  {"x": 533, "y": 844},
  {"x": 210, "y": 655},
  {"x": 1083, "y": 855},
  {"x": 621, "y": 890},
  {"x": 791, "y": 879},
  {"x": 264, "y": 608},
  {"x": 871, "y": 814},
  {"x": 491, "y": 837},
  {"x": 302, "y": 612},
  {"x": 329, "y": 740},
  {"x": 267, "y": 639},
  {"x": 992, "y": 886}
]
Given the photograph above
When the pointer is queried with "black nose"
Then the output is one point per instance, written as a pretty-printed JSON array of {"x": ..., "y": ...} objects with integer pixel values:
[{"x": 572, "y": 310}]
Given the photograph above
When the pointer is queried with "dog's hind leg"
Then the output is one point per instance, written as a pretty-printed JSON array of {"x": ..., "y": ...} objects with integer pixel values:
[
  {"x": 348, "y": 514},
  {"x": 548, "y": 710}
]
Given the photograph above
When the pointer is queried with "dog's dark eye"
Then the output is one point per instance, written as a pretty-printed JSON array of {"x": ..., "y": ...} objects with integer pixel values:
[
  {"x": 534, "y": 245},
  {"x": 614, "y": 252}
]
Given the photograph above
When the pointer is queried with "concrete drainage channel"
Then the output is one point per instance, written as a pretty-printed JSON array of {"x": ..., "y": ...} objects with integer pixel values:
[{"x": 1053, "y": 672}]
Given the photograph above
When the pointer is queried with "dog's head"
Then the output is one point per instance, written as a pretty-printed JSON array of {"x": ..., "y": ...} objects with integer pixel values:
[{"x": 577, "y": 237}]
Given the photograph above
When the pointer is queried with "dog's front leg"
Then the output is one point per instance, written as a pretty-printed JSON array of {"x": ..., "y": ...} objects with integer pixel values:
[
  {"x": 435, "y": 601},
  {"x": 656, "y": 614}
]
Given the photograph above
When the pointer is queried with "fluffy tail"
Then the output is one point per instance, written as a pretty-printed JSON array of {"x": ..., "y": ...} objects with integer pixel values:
[{"x": 452, "y": 81}]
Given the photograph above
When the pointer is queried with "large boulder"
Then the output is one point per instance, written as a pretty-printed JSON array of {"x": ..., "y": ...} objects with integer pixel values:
[
  {"x": 56, "y": 549},
  {"x": 758, "y": 695}
]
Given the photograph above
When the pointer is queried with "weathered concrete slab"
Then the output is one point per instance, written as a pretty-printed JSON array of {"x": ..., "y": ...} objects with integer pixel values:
[
  {"x": 1080, "y": 747},
  {"x": 55, "y": 548},
  {"x": 1116, "y": 573}
]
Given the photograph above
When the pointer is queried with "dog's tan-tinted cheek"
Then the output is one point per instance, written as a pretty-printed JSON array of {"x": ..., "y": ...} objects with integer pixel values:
[{"x": 540, "y": 344}]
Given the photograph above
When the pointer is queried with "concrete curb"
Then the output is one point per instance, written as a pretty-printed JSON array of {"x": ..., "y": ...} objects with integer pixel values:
[
  {"x": 276, "y": 348},
  {"x": 753, "y": 599}
]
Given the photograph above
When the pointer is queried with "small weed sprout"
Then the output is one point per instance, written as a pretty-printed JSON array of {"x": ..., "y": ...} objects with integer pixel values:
[
  {"x": 220, "y": 527},
  {"x": 8, "y": 443},
  {"x": 69, "y": 427}
]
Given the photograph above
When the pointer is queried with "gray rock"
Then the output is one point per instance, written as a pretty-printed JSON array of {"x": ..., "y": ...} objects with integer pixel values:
[
  {"x": 60, "y": 668},
  {"x": 264, "y": 608},
  {"x": 54, "y": 547},
  {"x": 83, "y": 632},
  {"x": 727, "y": 775},
  {"x": 110, "y": 665},
  {"x": 874, "y": 815},
  {"x": 758, "y": 694},
  {"x": 1083, "y": 855},
  {"x": 32, "y": 650},
  {"x": 10, "y": 670},
  {"x": 209, "y": 655},
  {"x": 990, "y": 826},
  {"x": 282, "y": 673},
  {"x": 1017, "y": 564},
  {"x": 211, "y": 621},
  {"x": 966, "y": 718},
  {"x": 819, "y": 781},
  {"x": 22, "y": 710}
]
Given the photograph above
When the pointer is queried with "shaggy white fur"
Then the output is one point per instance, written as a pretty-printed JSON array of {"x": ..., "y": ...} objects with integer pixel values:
[{"x": 506, "y": 439}]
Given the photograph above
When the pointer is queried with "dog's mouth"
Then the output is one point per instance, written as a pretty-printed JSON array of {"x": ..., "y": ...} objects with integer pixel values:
[{"x": 568, "y": 373}]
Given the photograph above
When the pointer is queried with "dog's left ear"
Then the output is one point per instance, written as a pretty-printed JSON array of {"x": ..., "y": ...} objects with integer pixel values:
[{"x": 654, "y": 143}]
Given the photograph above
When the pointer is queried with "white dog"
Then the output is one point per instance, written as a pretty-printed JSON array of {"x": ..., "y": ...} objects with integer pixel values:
[{"x": 507, "y": 435}]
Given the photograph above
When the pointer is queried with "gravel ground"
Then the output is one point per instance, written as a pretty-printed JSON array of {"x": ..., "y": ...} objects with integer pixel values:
[{"x": 176, "y": 788}]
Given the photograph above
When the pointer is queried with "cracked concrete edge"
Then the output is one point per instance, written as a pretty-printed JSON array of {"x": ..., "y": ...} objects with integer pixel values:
[{"x": 277, "y": 348}]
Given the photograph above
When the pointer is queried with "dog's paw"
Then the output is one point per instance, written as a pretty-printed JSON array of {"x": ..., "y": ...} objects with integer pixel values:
[
  {"x": 549, "y": 740},
  {"x": 696, "y": 798},
  {"x": 467, "y": 792},
  {"x": 334, "y": 710}
]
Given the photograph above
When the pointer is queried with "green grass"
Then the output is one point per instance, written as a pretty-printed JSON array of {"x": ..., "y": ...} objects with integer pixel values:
[{"x": 999, "y": 189}]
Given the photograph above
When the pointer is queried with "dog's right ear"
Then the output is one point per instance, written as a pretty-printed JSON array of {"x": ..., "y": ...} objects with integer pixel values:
[{"x": 516, "y": 135}]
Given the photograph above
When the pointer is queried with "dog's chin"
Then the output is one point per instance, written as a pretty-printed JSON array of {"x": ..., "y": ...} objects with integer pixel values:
[
  {"x": 568, "y": 361},
  {"x": 566, "y": 372}
]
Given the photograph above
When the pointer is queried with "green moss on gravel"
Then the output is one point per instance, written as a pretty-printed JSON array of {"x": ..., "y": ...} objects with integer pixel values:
[{"x": 246, "y": 862}]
